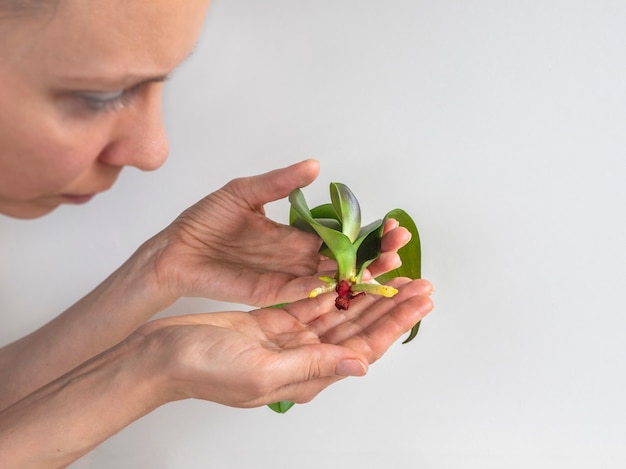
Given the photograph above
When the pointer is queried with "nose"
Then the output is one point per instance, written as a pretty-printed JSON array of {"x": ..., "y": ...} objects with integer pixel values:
[{"x": 138, "y": 138}]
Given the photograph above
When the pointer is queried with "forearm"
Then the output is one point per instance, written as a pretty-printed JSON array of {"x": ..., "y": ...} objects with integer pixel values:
[
  {"x": 67, "y": 418},
  {"x": 98, "y": 321}
]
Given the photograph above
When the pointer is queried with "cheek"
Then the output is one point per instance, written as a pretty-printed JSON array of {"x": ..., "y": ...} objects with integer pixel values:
[
  {"x": 36, "y": 163},
  {"x": 41, "y": 152},
  {"x": 42, "y": 148}
]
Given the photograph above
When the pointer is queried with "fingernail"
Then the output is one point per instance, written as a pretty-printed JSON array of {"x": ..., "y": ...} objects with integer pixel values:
[{"x": 350, "y": 368}]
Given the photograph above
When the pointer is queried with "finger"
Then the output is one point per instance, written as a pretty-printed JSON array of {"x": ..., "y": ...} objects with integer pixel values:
[
  {"x": 256, "y": 191},
  {"x": 366, "y": 314},
  {"x": 300, "y": 373},
  {"x": 380, "y": 335},
  {"x": 327, "y": 266},
  {"x": 301, "y": 393},
  {"x": 314, "y": 361},
  {"x": 316, "y": 370},
  {"x": 338, "y": 325},
  {"x": 395, "y": 239},
  {"x": 289, "y": 290},
  {"x": 390, "y": 224},
  {"x": 386, "y": 262},
  {"x": 309, "y": 310}
]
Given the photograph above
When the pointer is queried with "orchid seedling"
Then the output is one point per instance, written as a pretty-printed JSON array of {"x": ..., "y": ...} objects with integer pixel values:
[{"x": 354, "y": 248}]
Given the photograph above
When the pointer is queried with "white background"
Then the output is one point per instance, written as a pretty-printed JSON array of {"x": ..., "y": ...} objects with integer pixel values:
[{"x": 499, "y": 125}]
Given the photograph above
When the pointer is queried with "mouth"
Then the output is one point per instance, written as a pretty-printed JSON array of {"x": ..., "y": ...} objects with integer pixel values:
[{"x": 77, "y": 198}]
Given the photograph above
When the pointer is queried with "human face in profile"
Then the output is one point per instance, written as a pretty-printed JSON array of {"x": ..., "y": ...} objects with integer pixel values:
[{"x": 81, "y": 95}]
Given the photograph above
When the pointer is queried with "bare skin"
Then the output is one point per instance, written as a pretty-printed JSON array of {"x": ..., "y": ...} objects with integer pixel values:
[
  {"x": 267, "y": 355},
  {"x": 83, "y": 84},
  {"x": 185, "y": 259},
  {"x": 82, "y": 96}
]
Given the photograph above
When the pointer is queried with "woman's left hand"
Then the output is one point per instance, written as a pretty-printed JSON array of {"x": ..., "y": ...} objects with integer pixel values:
[
  {"x": 247, "y": 359},
  {"x": 225, "y": 248}
]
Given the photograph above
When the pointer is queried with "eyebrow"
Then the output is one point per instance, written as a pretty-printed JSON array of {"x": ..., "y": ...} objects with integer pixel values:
[
  {"x": 118, "y": 82},
  {"x": 123, "y": 81},
  {"x": 96, "y": 83}
]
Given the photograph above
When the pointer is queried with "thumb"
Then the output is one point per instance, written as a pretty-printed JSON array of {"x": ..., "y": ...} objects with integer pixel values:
[
  {"x": 311, "y": 362},
  {"x": 274, "y": 185}
]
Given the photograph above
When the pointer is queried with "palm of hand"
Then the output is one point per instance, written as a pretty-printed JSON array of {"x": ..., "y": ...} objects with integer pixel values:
[
  {"x": 226, "y": 356},
  {"x": 267, "y": 355}
]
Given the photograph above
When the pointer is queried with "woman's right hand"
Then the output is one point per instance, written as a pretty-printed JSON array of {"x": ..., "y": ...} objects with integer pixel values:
[{"x": 225, "y": 248}]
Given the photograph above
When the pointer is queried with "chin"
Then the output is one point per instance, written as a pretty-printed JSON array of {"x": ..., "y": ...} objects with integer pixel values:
[{"x": 26, "y": 211}]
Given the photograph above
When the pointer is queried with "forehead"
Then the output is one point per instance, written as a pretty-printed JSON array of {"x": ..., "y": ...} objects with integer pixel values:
[{"x": 107, "y": 37}]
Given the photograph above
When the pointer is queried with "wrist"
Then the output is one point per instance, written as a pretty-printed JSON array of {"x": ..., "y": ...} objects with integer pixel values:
[
  {"x": 154, "y": 359},
  {"x": 140, "y": 355},
  {"x": 145, "y": 277},
  {"x": 157, "y": 353}
]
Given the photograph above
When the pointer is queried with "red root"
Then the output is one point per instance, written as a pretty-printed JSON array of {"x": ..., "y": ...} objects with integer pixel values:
[{"x": 344, "y": 295}]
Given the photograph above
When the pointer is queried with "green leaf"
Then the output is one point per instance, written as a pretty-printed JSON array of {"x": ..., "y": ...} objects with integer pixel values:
[
  {"x": 325, "y": 214},
  {"x": 297, "y": 221},
  {"x": 411, "y": 256},
  {"x": 324, "y": 217},
  {"x": 369, "y": 229},
  {"x": 325, "y": 211},
  {"x": 347, "y": 207},
  {"x": 341, "y": 246},
  {"x": 368, "y": 246},
  {"x": 414, "y": 330},
  {"x": 281, "y": 407}
]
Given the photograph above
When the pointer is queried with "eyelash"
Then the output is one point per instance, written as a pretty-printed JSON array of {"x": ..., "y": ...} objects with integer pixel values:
[{"x": 100, "y": 103}]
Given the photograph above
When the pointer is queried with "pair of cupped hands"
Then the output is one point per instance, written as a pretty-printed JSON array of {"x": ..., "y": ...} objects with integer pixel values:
[{"x": 225, "y": 248}]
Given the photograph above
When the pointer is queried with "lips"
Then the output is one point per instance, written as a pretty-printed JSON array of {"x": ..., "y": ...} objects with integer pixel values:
[{"x": 77, "y": 198}]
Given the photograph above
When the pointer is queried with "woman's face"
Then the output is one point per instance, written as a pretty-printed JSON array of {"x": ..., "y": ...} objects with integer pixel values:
[{"x": 80, "y": 95}]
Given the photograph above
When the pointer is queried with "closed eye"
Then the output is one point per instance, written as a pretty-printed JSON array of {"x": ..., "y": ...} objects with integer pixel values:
[
  {"x": 102, "y": 101},
  {"x": 106, "y": 100}
]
